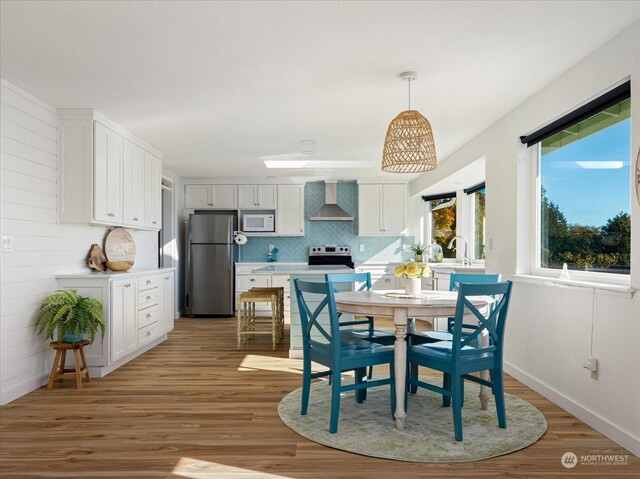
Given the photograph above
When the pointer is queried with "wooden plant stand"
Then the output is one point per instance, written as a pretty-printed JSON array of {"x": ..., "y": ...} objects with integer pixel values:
[{"x": 58, "y": 370}]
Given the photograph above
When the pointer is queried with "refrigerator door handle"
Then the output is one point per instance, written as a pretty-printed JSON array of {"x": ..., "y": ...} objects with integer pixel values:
[{"x": 230, "y": 245}]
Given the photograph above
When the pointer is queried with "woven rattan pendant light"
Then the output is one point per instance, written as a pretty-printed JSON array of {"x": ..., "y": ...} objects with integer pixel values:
[{"x": 409, "y": 145}]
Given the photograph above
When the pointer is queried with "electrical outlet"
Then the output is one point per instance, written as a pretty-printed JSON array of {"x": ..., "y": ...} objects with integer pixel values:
[
  {"x": 7, "y": 244},
  {"x": 271, "y": 248},
  {"x": 591, "y": 364},
  {"x": 490, "y": 244},
  {"x": 361, "y": 248}
]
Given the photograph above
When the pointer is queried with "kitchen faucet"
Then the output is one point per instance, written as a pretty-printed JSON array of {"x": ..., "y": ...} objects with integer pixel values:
[{"x": 465, "y": 259}]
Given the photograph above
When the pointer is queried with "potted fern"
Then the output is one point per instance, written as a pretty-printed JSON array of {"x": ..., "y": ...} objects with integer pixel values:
[{"x": 70, "y": 317}]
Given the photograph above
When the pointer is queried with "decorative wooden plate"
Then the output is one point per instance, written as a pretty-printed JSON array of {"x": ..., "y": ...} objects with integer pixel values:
[{"x": 119, "y": 246}]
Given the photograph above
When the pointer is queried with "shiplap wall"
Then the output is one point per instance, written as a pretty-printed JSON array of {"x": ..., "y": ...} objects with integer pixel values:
[{"x": 42, "y": 248}]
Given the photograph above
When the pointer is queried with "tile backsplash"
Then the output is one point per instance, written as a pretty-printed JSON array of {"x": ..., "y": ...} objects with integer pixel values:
[{"x": 295, "y": 248}]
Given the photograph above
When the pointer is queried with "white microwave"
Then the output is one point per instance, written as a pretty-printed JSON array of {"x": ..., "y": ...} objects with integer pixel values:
[{"x": 258, "y": 223}]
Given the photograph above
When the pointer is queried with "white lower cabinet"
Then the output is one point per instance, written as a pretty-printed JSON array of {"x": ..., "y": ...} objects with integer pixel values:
[
  {"x": 166, "y": 308},
  {"x": 138, "y": 309},
  {"x": 124, "y": 333}
]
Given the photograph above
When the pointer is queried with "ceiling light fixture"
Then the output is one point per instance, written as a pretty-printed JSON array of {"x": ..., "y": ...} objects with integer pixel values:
[
  {"x": 315, "y": 164},
  {"x": 409, "y": 145},
  {"x": 308, "y": 152},
  {"x": 308, "y": 142}
]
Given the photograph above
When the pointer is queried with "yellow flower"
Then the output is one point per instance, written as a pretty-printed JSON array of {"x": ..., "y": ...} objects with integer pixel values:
[
  {"x": 424, "y": 270},
  {"x": 399, "y": 271},
  {"x": 412, "y": 270}
]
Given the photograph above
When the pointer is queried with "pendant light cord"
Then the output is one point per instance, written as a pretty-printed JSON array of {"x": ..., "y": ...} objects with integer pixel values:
[{"x": 409, "y": 94}]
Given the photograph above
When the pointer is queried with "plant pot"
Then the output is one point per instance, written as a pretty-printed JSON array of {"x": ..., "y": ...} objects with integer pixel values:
[
  {"x": 413, "y": 286},
  {"x": 71, "y": 337},
  {"x": 418, "y": 258}
]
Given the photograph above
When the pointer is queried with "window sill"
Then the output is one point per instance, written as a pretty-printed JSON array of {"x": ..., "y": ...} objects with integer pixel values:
[{"x": 623, "y": 290}]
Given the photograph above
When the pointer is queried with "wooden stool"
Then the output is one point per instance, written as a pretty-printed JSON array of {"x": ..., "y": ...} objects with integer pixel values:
[
  {"x": 247, "y": 319},
  {"x": 58, "y": 370},
  {"x": 280, "y": 309}
]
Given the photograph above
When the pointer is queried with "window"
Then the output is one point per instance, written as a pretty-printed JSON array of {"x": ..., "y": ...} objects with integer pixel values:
[
  {"x": 478, "y": 223},
  {"x": 584, "y": 191},
  {"x": 443, "y": 223}
]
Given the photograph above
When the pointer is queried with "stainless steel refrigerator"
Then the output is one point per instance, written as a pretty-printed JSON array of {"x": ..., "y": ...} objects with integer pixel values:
[{"x": 211, "y": 255}]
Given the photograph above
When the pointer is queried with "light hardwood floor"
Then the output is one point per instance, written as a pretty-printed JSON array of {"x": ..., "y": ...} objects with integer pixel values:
[{"x": 194, "y": 407}]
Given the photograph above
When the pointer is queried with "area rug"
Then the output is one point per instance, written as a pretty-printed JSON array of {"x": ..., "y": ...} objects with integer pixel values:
[{"x": 369, "y": 428}]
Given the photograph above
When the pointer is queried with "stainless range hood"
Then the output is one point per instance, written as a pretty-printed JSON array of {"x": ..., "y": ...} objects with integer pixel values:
[{"x": 330, "y": 211}]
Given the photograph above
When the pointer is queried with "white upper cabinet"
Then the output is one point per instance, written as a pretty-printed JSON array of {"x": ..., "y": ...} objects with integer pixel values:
[
  {"x": 152, "y": 190},
  {"x": 103, "y": 178},
  {"x": 134, "y": 178},
  {"x": 264, "y": 197},
  {"x": 108, "y": 175},
  {"x": 197, "y": 196},
  {"x": 382, "y": 210},
  {"x": 211, "y": 197},
  {"x": 290, "y": 211}
]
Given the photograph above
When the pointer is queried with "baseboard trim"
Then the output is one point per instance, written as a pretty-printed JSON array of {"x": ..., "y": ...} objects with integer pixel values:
[
  {"x": 295, "y": 354},
  {"x": 600, "y": 424},
  {"x": 18, "y": 390}
]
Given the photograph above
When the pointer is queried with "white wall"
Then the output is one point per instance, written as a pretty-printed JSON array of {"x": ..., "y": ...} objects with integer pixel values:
[
  {"x": 549, "y": 330},
  {"x": 42, "y": 248},
  {"x": 178, "y": 197}
]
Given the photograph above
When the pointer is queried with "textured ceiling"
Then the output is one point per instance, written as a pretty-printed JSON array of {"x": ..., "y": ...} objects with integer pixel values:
[{"x": 217, "y": 85}]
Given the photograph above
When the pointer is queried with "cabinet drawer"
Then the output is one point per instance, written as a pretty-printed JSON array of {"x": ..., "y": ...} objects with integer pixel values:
[
  {"x": 147, "y": 298},
  {"x": 281, "y": 281},
  {"x": 147, "y": 282},
  {"x": 245, "y": 283},
  {"x": 148, "y": 333},
  {"x": 386, "y": 281},
  {"x": 147, "y": 316}
]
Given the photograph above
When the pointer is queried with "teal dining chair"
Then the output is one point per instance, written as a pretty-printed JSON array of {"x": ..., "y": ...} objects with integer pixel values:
[
  {"x": 382, "y": 336},
  {"x": 370, "y": 333},
  {"x": 322, "y": 343},
  {"x": 432, "y": 336},
  {"x": 464, "y": 355}
]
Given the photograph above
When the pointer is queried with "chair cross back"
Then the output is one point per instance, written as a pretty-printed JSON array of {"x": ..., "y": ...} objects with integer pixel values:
[
  {"x": 311, "y": 317},
  {"x": 364, "y": 278},
  {"x": 493, "y": 323}
]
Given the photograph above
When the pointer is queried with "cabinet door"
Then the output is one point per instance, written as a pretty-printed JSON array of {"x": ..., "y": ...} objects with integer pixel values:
[
  {"x": 197, "y": 197},
  {"x": 247, "y": 197},
  {"x": 267, "y": 197},
  {"x": 133, "y": 184},
  {"x": 152, "y": 190},
  {"x": 165, "y": 303},
  {"x": 224, "y": 196},
  {"x": 290, "y": 212},
  {"x": 108, "y": 175},
  {"x": 393, "y": 210},
  {"x": 370, "y": 210},
  {"x": 124, "y": 330}
]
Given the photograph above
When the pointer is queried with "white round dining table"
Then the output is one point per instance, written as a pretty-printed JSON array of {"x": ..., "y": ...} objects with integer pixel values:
[{"x": 431, "y": 304}]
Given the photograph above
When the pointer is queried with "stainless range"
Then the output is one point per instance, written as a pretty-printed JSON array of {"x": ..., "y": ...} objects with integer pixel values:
[{"x": 330, "y": 254}]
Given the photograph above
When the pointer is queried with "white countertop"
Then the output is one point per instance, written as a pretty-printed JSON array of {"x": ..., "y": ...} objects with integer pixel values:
[
  {"x": 114, "y": 274},
  {"x": 303, "y": 269}
]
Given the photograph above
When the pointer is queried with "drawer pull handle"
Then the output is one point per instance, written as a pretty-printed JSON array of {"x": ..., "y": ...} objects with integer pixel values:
[
  {"x": 135, "y": 219},
  {"x": 154, "y": 222},
  {"x": 149, "y": 297},
  {"x": 148, "y": 333},
  {"x": 148, "y": 315},
  {"x": 252, "y": 279},
  {"x": 388, "y": 280},
  {"x": 148, "y": 281}
]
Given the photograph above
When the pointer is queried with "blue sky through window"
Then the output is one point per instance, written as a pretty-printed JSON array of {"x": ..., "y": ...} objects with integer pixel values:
[{"x": 589, "y": 179}]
